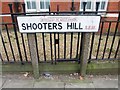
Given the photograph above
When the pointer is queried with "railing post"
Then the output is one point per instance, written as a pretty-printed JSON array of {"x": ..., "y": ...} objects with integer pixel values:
[
  {"x": 84, "y": 54},
  {"x": 84, "y": 50},
  {"x": 85, "y": 46},
  {"x": 33, "y": 51},
  {"x": 33, "y": 54}
]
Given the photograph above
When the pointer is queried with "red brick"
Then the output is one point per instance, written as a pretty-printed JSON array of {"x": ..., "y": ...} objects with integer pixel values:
[{"x": 112, "y": 6}]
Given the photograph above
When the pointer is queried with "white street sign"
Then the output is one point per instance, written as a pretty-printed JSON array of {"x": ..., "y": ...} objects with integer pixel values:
[{"x": 34, "y": 24}]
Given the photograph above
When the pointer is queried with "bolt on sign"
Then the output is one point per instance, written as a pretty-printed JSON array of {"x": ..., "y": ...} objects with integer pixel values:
[{"x": 34, "y": 24}]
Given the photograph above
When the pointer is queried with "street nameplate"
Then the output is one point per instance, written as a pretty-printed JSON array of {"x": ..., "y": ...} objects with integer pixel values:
[{"x": 34, "y": 24}]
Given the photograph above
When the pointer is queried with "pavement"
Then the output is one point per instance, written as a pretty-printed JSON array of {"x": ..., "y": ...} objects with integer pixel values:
[{"x": 26, "y": 80}]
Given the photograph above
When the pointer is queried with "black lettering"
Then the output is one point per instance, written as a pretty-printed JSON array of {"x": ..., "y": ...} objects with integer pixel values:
[
  {"x": 75, "y": 26},
  {"x": 59, "y": 25},
  {"x": 45, "y": 25},
  {"x": 29, "y": 26},
  {"x": 49, "y": 26},
  {"x": 54, "y": 25},
  {"x": 80, "y": 26},
  {"x": 23, "y": 26},
  {"x": 34, "y": 26},
  {"x": 40, "y": 26},
  {"x": 69, "y": 25}
]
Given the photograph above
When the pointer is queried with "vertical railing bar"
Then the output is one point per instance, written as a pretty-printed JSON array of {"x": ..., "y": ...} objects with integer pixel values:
[
  {"x": 1, "y": 57},
  {"x": 37, "y": 47},
  {"x": 44, "y": 46},
  {"x": 78, "y": 44},
  {"x": 51, "y": 47},
  {"x": 72, "y": 9},
  {"x": 78, "y": 40},
  {"x": 51, "y": 42},
  {"x": 23, "y": 7},
  {"x": 58, "y": 35},
  {"x": 106, "y": 40},
  {"x": 98, "y": 48},
  {"x": 24, "y": 47},
  {"x": 55, "y": 46},
  {"x": 71, "y": 45},
  {"x": 117, "y": 49},
  {"x": 15, "y": 31},
  {"x": 23, "y": 43},
  {"x": 81, "y": 46},
  {"x": 5, "y": 48},
  {"x": 114, "y": 36},
  {"x": 92, "y": 41},
  {"x": 65, "y": 45},
  {"x": 6, "y": 27},
  {"x": 97, "y": 7},
  {"x": 58, "y": 46}
]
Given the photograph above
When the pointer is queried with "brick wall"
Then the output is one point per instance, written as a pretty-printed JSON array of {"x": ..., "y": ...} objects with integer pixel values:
[
  {"x": 5, "y": 9},
  {"x": 112, "y": 6}
]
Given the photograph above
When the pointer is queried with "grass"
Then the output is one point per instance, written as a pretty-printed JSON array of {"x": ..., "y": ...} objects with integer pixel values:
[{"x": 61, "y": 43}]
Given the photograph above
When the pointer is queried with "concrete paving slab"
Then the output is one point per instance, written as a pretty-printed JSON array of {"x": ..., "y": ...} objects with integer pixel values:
[
  {"x": 102, "y": 83},
  {"x": 48, "y": 84},
  {"x": 3, "y": 81},
  {"x": 79, "y": 85},
  {"x": 15, "y": 83},
  {"x": 0, "y": 82},
  {"x": 80, "y": 89}
]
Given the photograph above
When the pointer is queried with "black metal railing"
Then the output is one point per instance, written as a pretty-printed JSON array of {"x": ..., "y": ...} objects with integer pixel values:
[{"x": 58, "y": 47}]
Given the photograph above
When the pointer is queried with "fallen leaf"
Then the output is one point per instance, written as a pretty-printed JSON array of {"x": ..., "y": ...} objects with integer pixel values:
[
  {"x": 81, "y": 78},
  {"x": 26, "y": 74}
]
